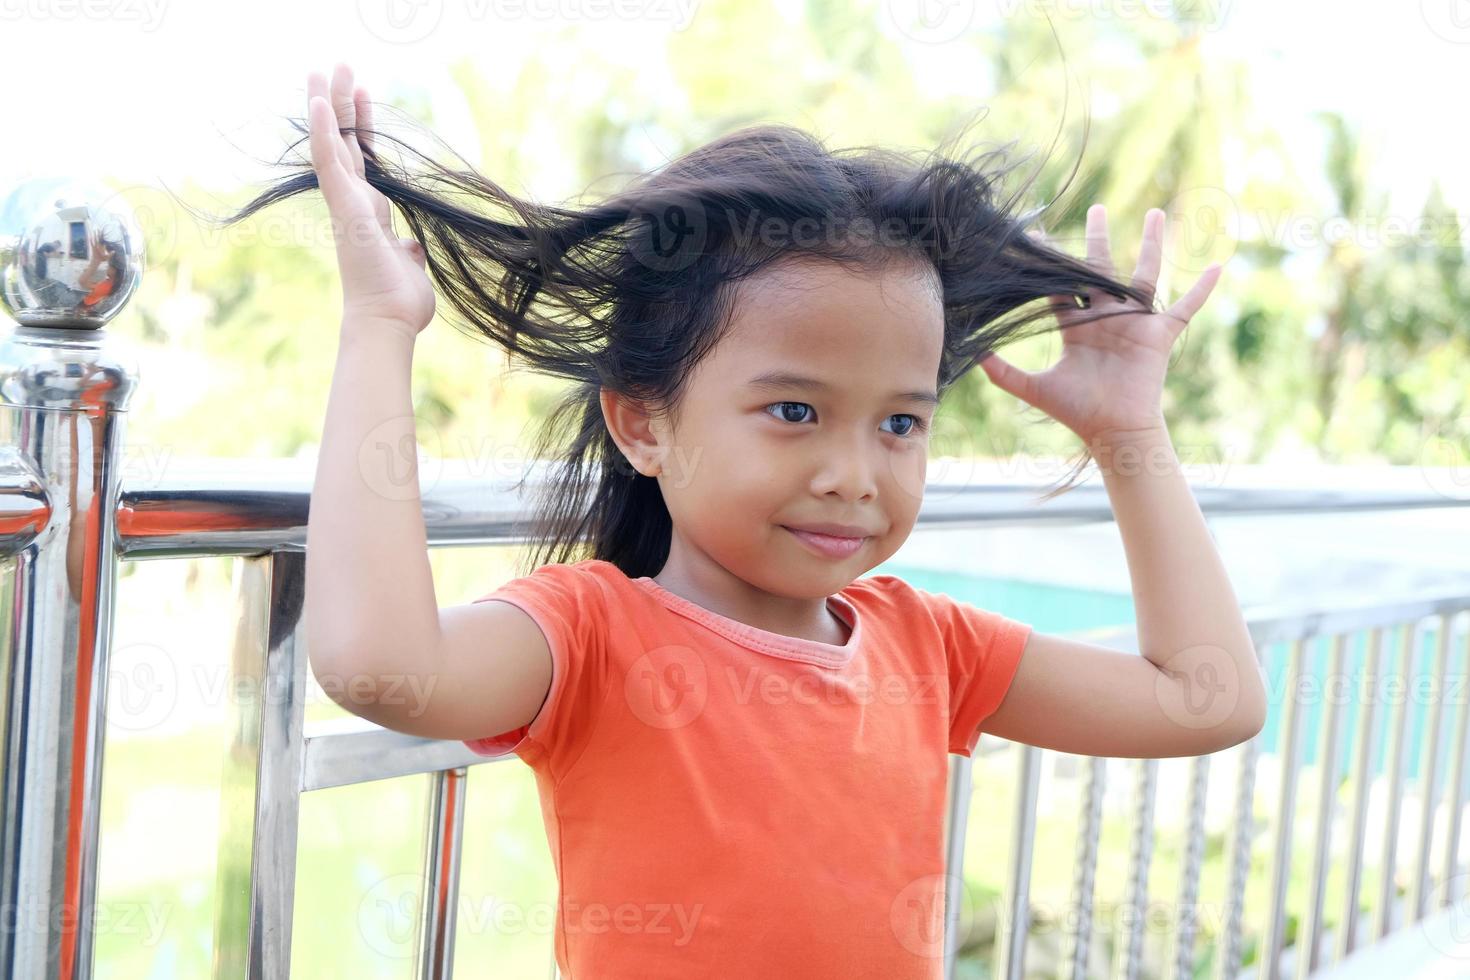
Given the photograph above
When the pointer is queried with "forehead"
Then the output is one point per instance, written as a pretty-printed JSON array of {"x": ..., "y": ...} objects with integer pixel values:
[{"x": 855, "y": 328}]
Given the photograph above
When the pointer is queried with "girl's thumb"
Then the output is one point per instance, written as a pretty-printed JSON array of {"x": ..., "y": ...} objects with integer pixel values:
[{"x": 1003, "y": 375}]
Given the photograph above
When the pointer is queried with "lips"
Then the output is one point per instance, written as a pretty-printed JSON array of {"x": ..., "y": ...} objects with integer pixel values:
[
  {"x": 831, "y": 530},
  {"x": 828, "y": 545}
]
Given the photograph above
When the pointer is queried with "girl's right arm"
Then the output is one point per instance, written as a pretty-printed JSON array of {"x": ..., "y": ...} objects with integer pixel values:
[{"x": 377, "y": 642}]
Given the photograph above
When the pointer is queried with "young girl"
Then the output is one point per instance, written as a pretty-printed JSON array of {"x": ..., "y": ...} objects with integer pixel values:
[{"x": 740, "y": 743}]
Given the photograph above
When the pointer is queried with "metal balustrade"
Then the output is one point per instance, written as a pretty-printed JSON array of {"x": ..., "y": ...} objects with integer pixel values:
[
  {"x": 1446, "y": 616},
  {"x": 229, "y": 508},
  {"x": 68, "y": 518}
]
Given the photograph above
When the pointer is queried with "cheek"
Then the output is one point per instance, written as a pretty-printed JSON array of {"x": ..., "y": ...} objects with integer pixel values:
[
  {"x": 907, "y": 469},
  {"x": 737, "y": 492}
]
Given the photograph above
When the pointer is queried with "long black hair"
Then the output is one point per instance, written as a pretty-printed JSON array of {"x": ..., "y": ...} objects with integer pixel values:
[{"x": 629, "y": 293}]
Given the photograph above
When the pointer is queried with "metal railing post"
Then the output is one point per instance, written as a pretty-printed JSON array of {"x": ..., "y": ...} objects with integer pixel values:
[
  {"x": 261, "y": 782},
  {"x": 1078, "y": 952},
  {"x": 1366, "y": 743},
  {"x": 441, "y": 874},
  {"x": 956, "y": 816},
  {"x": 1014, "y": 922},
  {"x": 64, "y": 390},
  {"x": 1128, "y": 947}
]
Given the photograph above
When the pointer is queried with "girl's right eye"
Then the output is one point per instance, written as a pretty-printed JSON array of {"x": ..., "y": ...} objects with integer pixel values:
[{"x": 780, "y": 405}]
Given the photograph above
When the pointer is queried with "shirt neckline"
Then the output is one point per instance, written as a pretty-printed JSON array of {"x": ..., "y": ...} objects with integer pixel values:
[{"x": 766, "y": 641}]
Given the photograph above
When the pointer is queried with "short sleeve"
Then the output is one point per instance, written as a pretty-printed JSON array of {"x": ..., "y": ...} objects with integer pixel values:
[
  {"x": 566, "y": 602},
  {"x": 983, "y": 650}
]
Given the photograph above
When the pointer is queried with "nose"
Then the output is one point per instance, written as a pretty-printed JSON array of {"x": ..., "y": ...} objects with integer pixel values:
[{"x": 846, "y": 468}]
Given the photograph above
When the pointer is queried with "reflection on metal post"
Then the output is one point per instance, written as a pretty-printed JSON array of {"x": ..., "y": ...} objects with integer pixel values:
[
  {"x": 1014, "y": 923},
  {"x": 956, "y": 816},
  {"x": 260, "y": 786},
  {"x": 441, "y": 874},
  {"x": 70, "y": 254}
]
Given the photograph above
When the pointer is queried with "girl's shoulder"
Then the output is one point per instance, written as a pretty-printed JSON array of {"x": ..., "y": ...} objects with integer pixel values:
[
  {"x": 576, "y": 581},
  {"x": 896, "y": 596},
  {"x": 880, "y": 585},
  {"x": 596, "y": 567},
  {"x": 589, "y": 580},
  {"x": 885, "y": 592}
]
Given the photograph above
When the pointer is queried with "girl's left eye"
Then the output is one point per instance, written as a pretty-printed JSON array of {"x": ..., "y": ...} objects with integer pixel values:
[{"x": 916, "y": 423}]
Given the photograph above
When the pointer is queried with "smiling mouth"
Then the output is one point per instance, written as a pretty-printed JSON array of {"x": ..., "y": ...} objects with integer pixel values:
[{"x": 827, "y": 545}]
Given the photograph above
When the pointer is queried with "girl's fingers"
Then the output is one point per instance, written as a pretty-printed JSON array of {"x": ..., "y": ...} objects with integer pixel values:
[
  {"x": 316, "y": 87},
  {"x": 324, "y": 148},
  {"x": 1099, "y": 254},
  {"x": 346, "y": 111},
  {"x": 351, "y": 213},
  {"x": 364, "y": 117},
  {"x": 1189, "y": 304},
  {"x": 1149, "y": 255}
]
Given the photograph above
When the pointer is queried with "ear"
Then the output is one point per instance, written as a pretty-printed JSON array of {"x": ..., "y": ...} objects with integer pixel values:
[{"x": 637, "y": 434}]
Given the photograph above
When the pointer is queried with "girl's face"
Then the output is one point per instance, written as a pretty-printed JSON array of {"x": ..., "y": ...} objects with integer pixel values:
[{"x": 744, "y": 458}]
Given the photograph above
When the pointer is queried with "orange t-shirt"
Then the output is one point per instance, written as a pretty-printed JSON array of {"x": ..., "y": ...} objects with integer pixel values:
[
  {"x": 724, "y": 801},
  {"x": 99, "y": 291}
]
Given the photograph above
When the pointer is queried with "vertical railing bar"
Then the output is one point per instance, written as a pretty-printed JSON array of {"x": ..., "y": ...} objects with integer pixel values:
[
  {"x": 1084, "y": 869},
  {"x": 1366, "y": 743},
  {"x": 1419, "y": 886},
  {"x": 1383, "y": 919},
  {"x": 1242, "y": 839},
  {"x": 1015, "y": 919},
  {"x": 1455, "y": 791},
  {"x": 442, "y": 849},
  {"x": 1309, "y": 935},
  {"x": 1182, "y": 963},
  {"x": 957, "y": 816},
  {"x": 1135, "y": 901},
  {"x": 260, "y": 794},
  {"x": 1274, "y": 935}
]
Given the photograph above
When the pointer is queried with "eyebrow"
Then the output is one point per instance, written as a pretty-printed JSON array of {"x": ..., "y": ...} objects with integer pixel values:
[{"x": 785, "y": 379}]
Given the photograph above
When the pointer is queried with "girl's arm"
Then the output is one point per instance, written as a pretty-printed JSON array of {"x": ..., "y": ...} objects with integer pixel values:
[
  {"x": 377, "y": 641},
  {"x": 1197, "y": 688}
]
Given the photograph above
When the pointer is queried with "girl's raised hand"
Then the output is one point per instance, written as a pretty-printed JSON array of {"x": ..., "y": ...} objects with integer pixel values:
[
  {"x": 385, "y": 284},
  {"x": 1110, "y": 378}
]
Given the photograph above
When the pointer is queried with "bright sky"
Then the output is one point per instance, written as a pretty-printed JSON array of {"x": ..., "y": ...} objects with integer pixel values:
[{"x": 144, "y": 89}]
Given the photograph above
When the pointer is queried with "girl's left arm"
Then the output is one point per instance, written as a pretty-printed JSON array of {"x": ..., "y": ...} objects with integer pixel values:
[{"x": 1198, "y": 686}]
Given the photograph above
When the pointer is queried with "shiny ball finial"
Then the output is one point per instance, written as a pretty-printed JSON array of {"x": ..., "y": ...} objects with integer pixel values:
[{"x": 71, "y": 253}]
